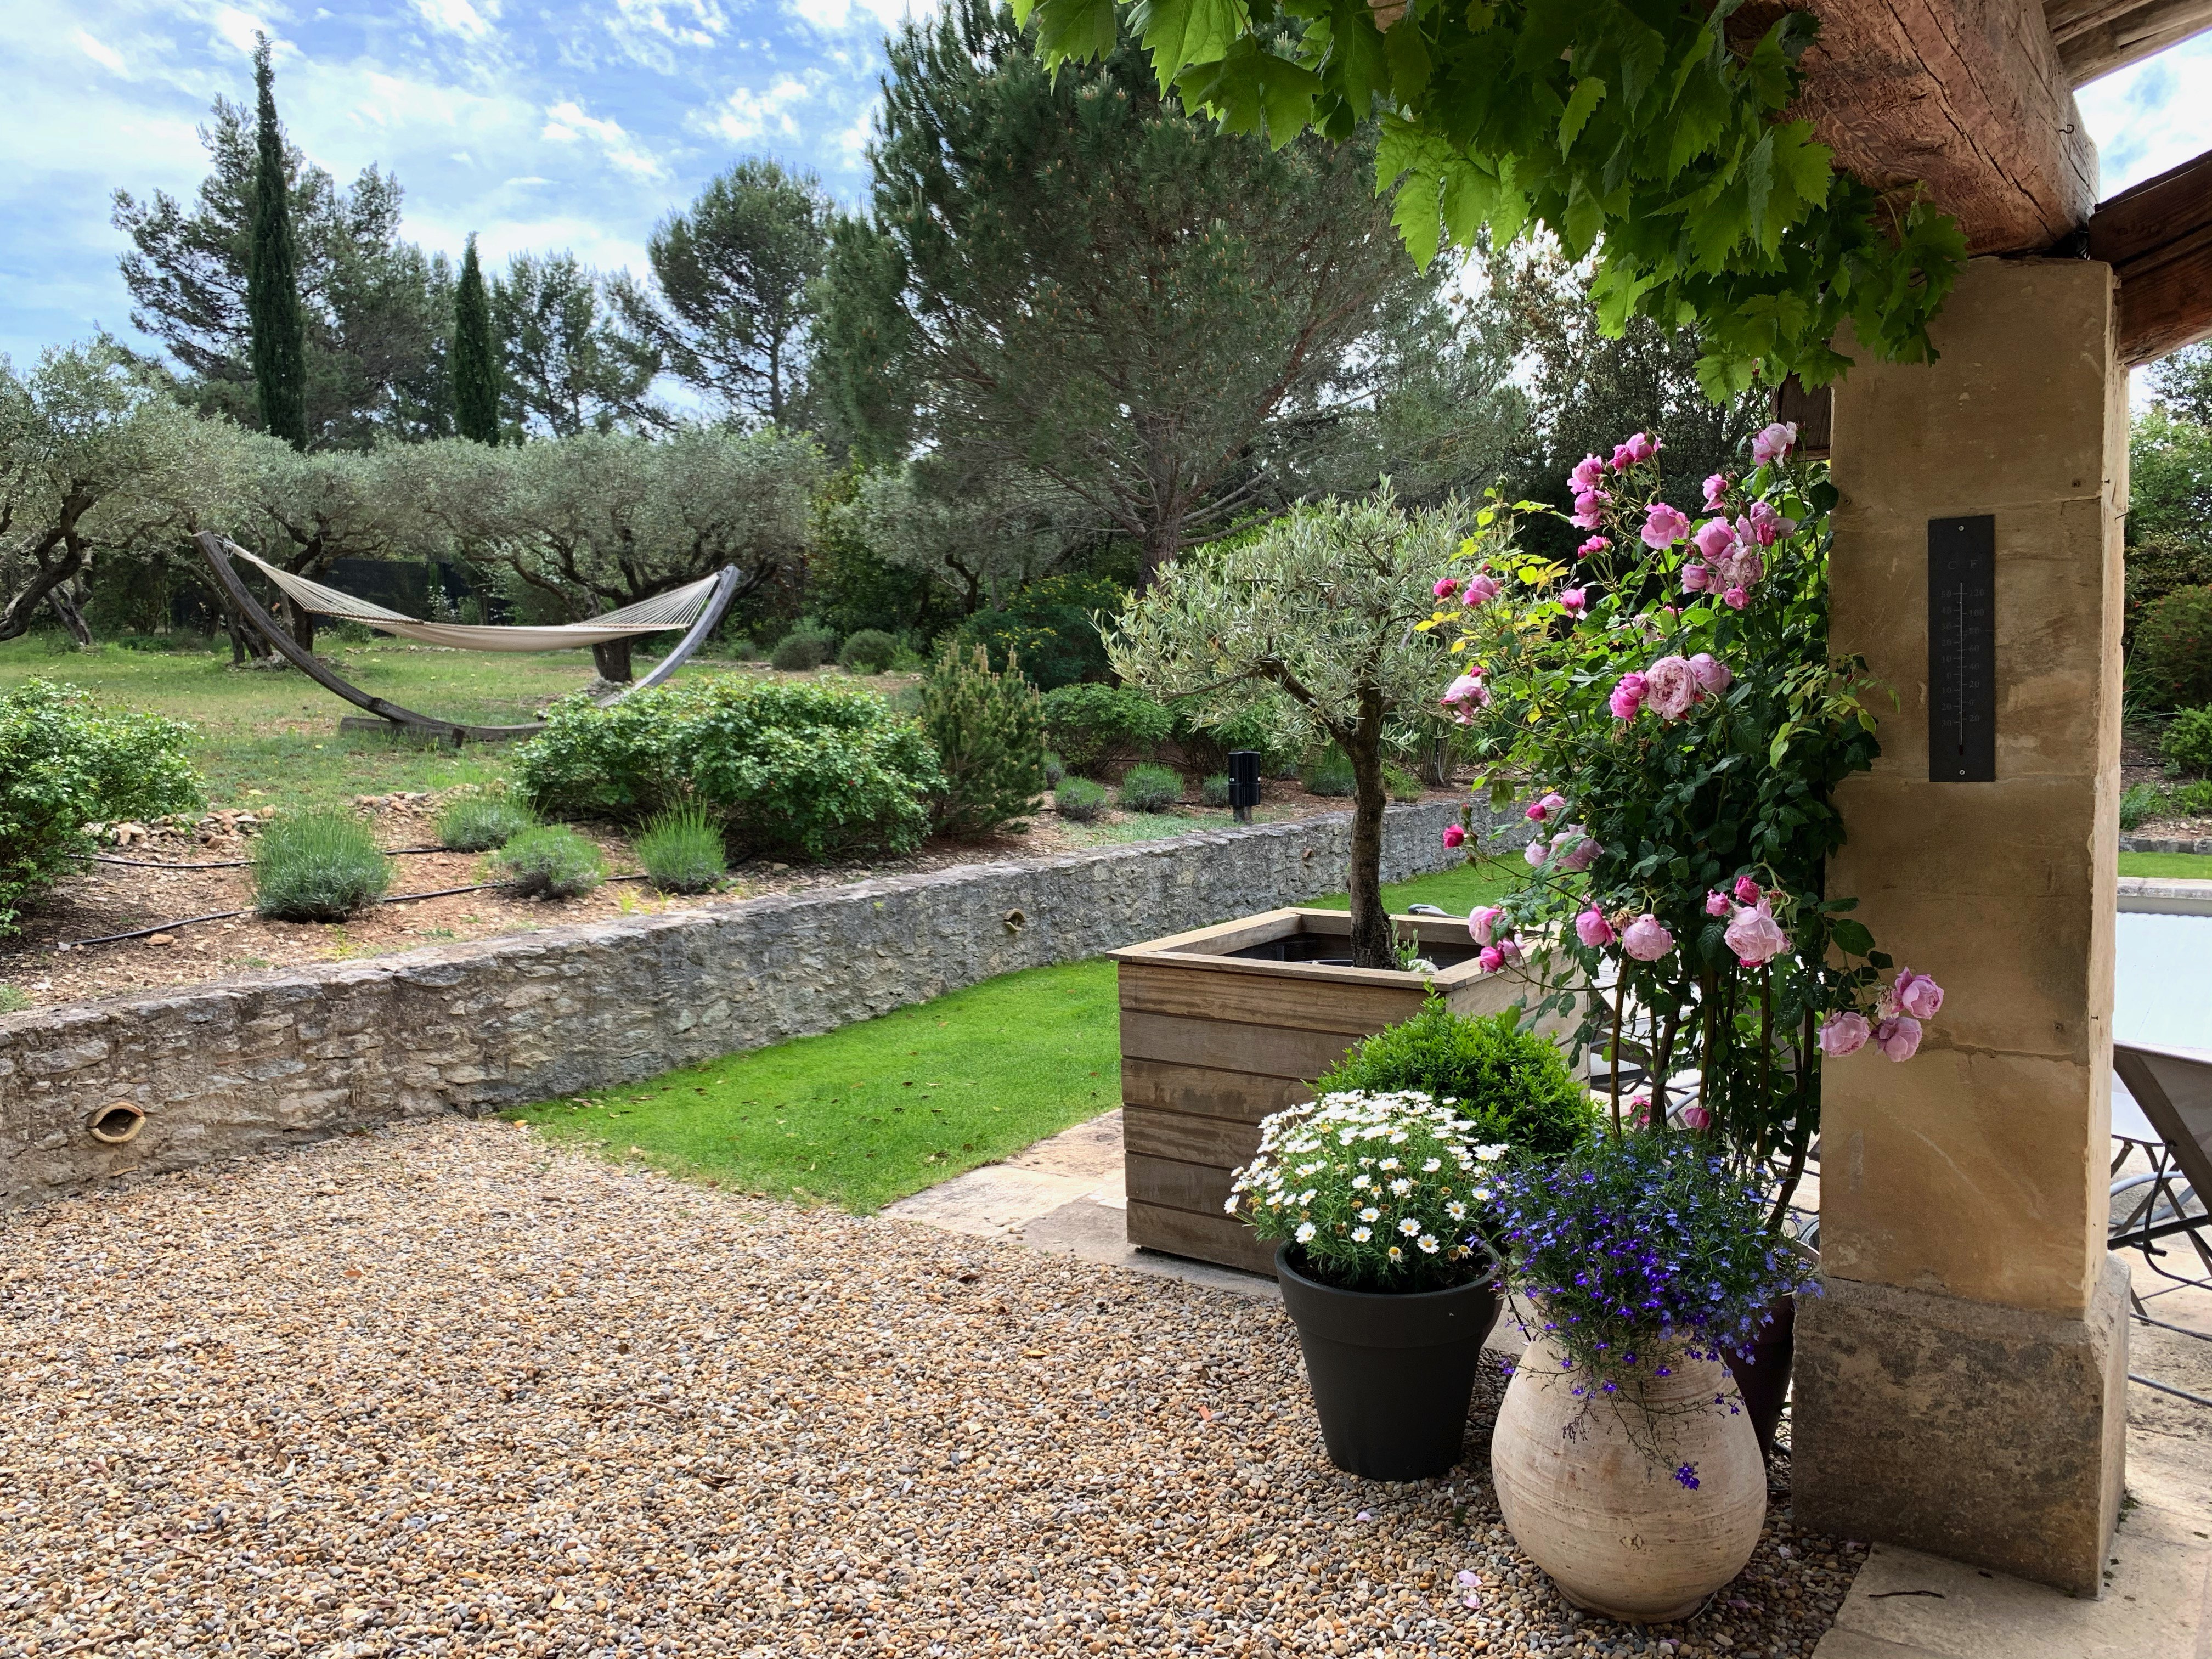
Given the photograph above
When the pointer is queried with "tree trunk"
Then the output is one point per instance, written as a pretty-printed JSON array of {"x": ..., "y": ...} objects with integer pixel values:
[
  {"x": 1373, "y": 943},
  {"x": 612, "y": 660},
  {"x": 1163, "y": 541},
  {"x": 301, "y": 625},
  {"x": 65, "y": 605}
]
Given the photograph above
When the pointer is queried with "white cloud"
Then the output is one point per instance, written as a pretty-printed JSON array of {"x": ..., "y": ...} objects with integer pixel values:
[
  {"x": 746, "y": 114},
  {"x": 834, "y": 17},
  {"x": 567, "y": 122},
  {"x": 852, "y": 142},
  {"x": 238, "y": 29},
  {"x": 100, "y": 52},
  {"x": 2152, "y": 116},
  {"x": 460, "y": 17},
  {"x": 683, "y": 22}
]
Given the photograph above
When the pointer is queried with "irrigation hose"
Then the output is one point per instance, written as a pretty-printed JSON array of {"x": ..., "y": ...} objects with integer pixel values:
[
  {"x": 232, "y": 864},
  {"x": 225, "y": 915}
]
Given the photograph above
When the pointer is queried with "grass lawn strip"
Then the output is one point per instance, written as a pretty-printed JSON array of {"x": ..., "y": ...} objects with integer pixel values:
[
  {"x": 869, "y": 1113},
  {"x": 2172, "y": 866}
]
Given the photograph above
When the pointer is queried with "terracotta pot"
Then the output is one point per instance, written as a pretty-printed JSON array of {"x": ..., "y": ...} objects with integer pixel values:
[{"x": 1603, "y": 1514}]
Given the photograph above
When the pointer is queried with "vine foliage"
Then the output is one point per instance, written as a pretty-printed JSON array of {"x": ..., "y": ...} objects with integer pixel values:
[{"x": 1638, "y": 132}]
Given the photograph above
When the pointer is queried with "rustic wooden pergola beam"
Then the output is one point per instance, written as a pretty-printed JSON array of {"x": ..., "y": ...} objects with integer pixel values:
[
  {"x": 2157, "y": 237},
  {"x": 2095, "y": 37},
  {"x": 1969, "y": 98}
]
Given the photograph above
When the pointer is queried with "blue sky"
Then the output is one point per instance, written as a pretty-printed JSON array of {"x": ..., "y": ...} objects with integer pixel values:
[{"x": 539, "y": 124}]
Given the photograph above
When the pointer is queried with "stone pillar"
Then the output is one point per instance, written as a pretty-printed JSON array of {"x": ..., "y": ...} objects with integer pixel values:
[{"x": 1961, "y": 1385}]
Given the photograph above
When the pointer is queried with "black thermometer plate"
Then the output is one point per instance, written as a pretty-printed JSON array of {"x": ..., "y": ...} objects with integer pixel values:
[{"x": 1962, "y": 650}]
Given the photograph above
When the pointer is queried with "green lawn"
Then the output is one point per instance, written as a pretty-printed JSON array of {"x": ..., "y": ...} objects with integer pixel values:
[
  {"x": 872, "y": 1112},
  {"x": 2188, "y": 866}
]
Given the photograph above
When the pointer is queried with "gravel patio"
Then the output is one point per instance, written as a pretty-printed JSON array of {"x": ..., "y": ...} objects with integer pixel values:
[{"x": 442, "y": 1390}]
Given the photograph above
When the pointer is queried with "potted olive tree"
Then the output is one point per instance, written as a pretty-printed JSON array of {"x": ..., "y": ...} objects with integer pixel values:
[{"x": 1321, "y": 624}]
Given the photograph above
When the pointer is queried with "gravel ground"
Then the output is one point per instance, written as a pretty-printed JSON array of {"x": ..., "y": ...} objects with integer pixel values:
[{"x": 444, "y": 1389}]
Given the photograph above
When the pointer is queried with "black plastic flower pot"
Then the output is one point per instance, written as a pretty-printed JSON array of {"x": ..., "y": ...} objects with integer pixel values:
[
  {"x": 1391, "y": 1374},
  {"x": 1762, "y": 1370}
]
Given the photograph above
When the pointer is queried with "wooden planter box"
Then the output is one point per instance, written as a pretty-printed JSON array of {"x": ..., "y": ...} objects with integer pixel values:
[{"x": 1219, "y": 1030}]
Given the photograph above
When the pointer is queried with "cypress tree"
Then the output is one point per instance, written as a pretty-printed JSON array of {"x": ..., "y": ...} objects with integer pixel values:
[
  {"x": 475, "y": 369},
  {"x": 272, "y": 279}
]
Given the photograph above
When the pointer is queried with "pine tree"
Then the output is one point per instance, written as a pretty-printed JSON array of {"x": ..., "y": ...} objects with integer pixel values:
[
  {"x": 272, "y": 281},
  {"x": 989, "y": 730},
  {"x": 475, "y": 369}
]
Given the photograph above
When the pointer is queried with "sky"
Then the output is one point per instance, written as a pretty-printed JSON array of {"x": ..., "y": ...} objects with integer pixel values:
[{"x": 540, "y": 125}]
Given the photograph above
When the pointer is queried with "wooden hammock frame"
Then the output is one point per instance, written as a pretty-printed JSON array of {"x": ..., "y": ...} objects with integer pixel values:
[{"x": 216, "y": 550}]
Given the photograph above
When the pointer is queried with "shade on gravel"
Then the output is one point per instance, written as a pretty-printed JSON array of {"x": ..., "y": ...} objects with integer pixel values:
[{"x": 447, "y": 1389}]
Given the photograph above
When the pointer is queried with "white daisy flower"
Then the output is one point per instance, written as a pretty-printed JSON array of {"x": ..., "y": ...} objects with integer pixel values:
[
  {"x": 1230, "y": 1207},
  {"x": 1428, "y": 1242},
  {"x": 1306, "y": 1232},
  {"x": 1401, "y": 1186},
  {"x": 1389, "y": 1164},
  {"x": 1432, "y": 1166},
  {"x": 1396, "y": 1254},
  {"x": 1361, "y": 1235},
  {"x": 1409, "y": 1226},
  {"x": 1370, "y": 1213}
]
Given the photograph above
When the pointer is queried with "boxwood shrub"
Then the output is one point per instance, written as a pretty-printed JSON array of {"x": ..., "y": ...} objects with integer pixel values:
[
  {"x": 790, "y": 769},
  {"x": 65, "y": 764},
  {"x": 1089, "y": 725}
]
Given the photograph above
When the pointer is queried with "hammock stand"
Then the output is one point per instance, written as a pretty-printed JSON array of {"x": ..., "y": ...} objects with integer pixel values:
[{"x": 389, "y": 716}]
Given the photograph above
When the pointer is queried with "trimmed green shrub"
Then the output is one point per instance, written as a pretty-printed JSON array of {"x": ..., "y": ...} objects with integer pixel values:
[
  {"x": 1328, "y": 773},
  {"x": 476, "y": 823},
  {"x": 1513, "y": 1083},
  {"x": 2188, "y": 741},
  {"x": 1091, "y": 725},
  {"x": 2173, "y": 660},
  {"x": 1079, "y": 800},
  {"x": 988, "y": 731},
  {"x": 786, "y": 767},
  {"x": 1151, "y": 789},
  {"x": 803, "y": 650},
  {"x": 1054, "y": 769},
  {"x": 870, "y": 651},
  {"x": 680, "y": 852},
  {"x": 1049, "y": 626},
  {"x": 551, "y": 861},
  {"x": 65, "y": 764},
  {"x": 321, "y": 865},
  {"x": 1401, "y": 784},
  {"x": 2142, "y": 802},
  {"x": 1214, "y": 791}
]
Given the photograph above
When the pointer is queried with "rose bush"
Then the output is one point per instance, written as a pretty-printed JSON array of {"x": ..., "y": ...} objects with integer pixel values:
[{"x": 1671, "y": 703}]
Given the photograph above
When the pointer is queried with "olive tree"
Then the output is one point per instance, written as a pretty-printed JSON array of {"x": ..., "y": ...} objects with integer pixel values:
[
  {"x": 98, "y": 458},
  {"x": 1318, "y": 617},
  {"x": 303, "y": 513},
  {"x": 976, "y": 539}
]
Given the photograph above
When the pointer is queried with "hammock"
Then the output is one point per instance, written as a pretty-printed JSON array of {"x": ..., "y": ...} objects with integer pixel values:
[{"x": 657, "y": 615}]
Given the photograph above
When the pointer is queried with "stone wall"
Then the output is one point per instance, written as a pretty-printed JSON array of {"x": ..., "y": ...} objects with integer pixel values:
[{"x": 291, "y": 1055}]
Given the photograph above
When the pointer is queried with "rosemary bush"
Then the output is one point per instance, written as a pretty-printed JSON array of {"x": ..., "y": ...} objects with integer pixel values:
[
  {"x": 476, "y": 823},
  {"x": 680, "y": 852},
  {"x": 318, "y": 866},
  {"x": 551, "y": 862}
]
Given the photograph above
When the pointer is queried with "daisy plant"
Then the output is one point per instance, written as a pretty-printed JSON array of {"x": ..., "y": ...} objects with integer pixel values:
[{"x": 1374, "y": 1192}]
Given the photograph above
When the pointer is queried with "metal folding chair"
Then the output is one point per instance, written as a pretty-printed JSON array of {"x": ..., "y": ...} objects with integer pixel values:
[{"x": 2164, "y": 1113}]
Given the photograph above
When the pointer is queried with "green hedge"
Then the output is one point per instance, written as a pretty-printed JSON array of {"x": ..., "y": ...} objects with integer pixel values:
[
  {"x": 1088, "y": 725},
  {"x": 793, "y": 768}
]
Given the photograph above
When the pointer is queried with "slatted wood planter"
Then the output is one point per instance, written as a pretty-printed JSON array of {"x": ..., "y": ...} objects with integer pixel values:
[{"x": 1218, "y": 1031}]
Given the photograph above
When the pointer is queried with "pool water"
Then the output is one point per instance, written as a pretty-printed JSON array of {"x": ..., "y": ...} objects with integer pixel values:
[{"x": 2162, "y": 980}]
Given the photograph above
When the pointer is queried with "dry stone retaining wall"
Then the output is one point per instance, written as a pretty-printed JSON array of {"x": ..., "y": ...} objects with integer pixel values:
[{"x": 290, "y": 1055}]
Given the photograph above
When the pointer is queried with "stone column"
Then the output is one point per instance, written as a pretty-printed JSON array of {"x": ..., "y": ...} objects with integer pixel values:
[{"x": 1960, "y": 1387}]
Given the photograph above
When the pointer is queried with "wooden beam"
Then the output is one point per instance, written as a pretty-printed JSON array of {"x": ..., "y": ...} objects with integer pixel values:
[
  {"x": 2157, "y": 237},
  {"x": 2095, "y": 37},
  {"x": 1968, "y": 98}
]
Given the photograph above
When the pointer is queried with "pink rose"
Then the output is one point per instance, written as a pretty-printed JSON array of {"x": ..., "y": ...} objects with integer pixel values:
[
  {"x": 1637, "y": 449},
  {"x": 1589, "y": 509},
  {"x": 1843, "y": 1033},
  {"x": 1639, "y": 1110},
  {"x": 1490, "y": 958},
  {"x": 1482, "y": 922},
  {"x": 1746, "y": 891},
  {"x": 1715, "y": 487},
  {"x": 1454, "y": 835},
  {"x": 1593, "y": 929},
  {"x": 1582, "y": 852},
  {"x": 1647, "y": 938},
  {"x": 1755, "y": 936},
  {"x": 1717, "y": 904},
  {"x": 1673, "y": 688},
  {"x": 1627, "y": 700},
  {"x": 1664, "y": 526},
  {"x": 1536, "y": 852},
  {"x": 1541, "y": 810},
  {"x": 1589, "y": 474},
  {"x": 1447, "y": 587},
  {"x": 1510, "y": 949},
  {"x": 1574, "y": 600},
  {"x": 1898, "y": 1038},
  {"x": 1697, "y": 1118},
  {"x": 1466, "y": 692},
  {"x": 1916, "y": 994},
  {"x": 1762, "y": 524},
  {"x": 1695, "y": 578},
  {"x": 1736, "y": 598},
  {"x": 1715, "y": 538},
  {"x": 1773, "y": 442},
  {"x": 1595, "y": 544},
  {"x": 1712, "y": 674},
  {"x": 1742, "y": 568},
  {"x": 1481, "y": 588}
]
